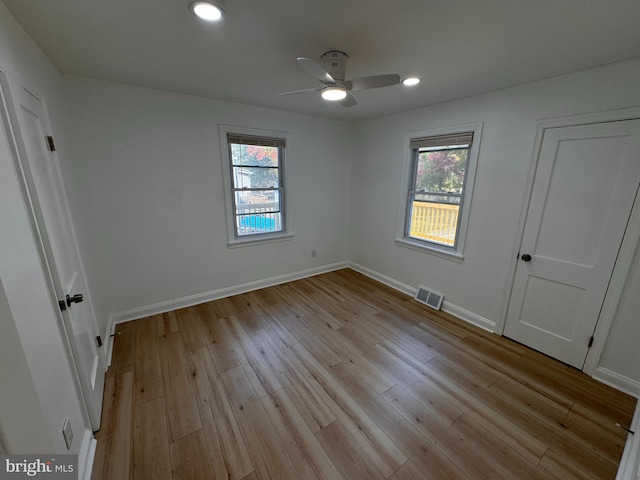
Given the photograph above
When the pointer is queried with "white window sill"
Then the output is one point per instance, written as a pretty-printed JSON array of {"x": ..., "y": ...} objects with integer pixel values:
[
  {"x": 444, "y": 252},
  {"x": 259, "y": 239}
]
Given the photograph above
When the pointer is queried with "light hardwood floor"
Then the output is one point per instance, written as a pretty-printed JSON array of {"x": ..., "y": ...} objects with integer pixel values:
[{"x": 340, "y": 377}]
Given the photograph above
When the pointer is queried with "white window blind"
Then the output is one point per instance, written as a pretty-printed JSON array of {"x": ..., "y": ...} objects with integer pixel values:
[
  {"x": 257, "y": 141},
  {"x": 465, "y": 138}
]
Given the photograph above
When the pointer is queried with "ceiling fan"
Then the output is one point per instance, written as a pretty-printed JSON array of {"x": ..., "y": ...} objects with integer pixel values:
[{"x": 332, "y": 76}]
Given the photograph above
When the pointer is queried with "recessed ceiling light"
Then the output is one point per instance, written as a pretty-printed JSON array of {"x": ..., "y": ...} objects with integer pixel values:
[
  {"x": 334, "y": 93},
  {"x": 207, "y": 11},
  {"x": 411, "y": 81}
]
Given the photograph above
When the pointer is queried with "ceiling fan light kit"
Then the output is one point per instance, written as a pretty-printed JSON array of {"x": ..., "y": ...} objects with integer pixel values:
[
  {"x": 209, "y": 11},
  {"x": 411, "y": 81},
  {"x": 334, "y": 93},
  {"x": 332, "y": 75}
]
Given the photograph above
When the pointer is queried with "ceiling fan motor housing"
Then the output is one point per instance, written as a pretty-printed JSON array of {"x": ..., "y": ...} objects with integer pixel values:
[{"x": 335, "y": 63}]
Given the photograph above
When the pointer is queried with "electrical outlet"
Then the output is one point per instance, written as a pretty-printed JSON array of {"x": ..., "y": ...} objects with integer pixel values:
[
  {"x": 67, "y": 432},
  {"x": 313, "y": 253}
]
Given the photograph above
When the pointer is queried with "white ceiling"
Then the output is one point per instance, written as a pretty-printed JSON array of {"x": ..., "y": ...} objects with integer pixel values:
[{"x": 458, "y": 47}]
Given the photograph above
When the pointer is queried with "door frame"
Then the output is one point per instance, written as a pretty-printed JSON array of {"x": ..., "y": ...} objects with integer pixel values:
[
  {"x": 630, "y": 241},
  {"x": 7, "y": 85}
]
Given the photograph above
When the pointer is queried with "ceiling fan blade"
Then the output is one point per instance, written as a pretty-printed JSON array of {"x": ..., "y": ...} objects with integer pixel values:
[
  {"x": 306, "y": 90},
  {"x": 348, "y": 101},
  {"x": 375, "y": 81},
  {"x": 315, "y": 69}
]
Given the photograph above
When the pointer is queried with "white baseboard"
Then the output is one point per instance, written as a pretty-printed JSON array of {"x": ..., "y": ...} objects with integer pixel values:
[
  {"x": 86, "y": 455},
  {"x": 617, "y": 381},
  {"x": 391, "y": 282},
  {"x": 630, "y": 463},
  {"x": 190, "y": 300},
  {"x": 469, "y": 317},
  {"x": 448, "y": 307}
]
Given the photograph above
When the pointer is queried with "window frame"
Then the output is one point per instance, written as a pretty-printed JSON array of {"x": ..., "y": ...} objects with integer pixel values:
[
  {"x": 234, "y": 239},
  {"x": 455, "y": 252}
]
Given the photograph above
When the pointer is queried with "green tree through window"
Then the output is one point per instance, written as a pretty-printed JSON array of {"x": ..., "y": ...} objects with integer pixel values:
[{"x": 441, "y": 170}]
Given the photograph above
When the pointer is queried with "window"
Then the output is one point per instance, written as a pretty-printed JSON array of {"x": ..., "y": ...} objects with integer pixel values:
[
  {"x": 440, "y": 176},
  {"x": 255, "y": 175}
]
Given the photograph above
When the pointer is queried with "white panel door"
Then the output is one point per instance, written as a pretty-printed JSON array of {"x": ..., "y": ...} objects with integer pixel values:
[
  {"x": 53, "y": 222},
  {"x": 585, "y": 186}
]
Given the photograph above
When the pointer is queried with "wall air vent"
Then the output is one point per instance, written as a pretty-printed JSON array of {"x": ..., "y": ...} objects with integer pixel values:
[{"x": 429, "y": 297}]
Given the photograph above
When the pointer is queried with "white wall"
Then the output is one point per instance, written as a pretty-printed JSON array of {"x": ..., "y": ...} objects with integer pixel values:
[
  {"x": 153, "y": 213},
  {"x": 18, "y": 433},
  {"x": 622, "y": 355},
  {"x": 42, "y": 393},
  {"x": 481, "y": 282}
]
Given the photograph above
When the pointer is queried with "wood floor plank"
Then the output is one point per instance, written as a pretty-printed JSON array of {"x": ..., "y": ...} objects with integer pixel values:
[
  {"x": 248, "y": 311},
  {"x": 305, "y": 336},
  {"x": 393, "y": 370},
  {"x": 124, "y": 350},
  {"x": 166, "y": 323},
  {"x": 219, "y": 345},
  {"x": 222, "y": 307},
  {"x": 433, "y": 401},
  {"x": 341, "y": 377},
  {"x": 189, "y": 326},
  {"x": 408, "y": 471},
  {"x": 190, "y": 458},
  {"x": 346, "y": 454},
  {"x": 113, "y": 456},
  {"x": 308, "y": 402},
  {"x": 303, "y": 448},
  {"x": 227, "y": 448},
  {"x": 504, "y": 459},
  {"x": 360, "y": 336},
  {"x": 608, "y": 442},
  {"x": 182, "y": 409},
  {"x": 103, "y": 438},
  {"x": 278, "y": 327},
  {"x": 527, "y": 445},
  {"x": 592, "y": 424},
  {"x": 148, "y": 375},
  {"x": 473, "y": 369},
  {"x": 530, "y": 397},
  {"x": 259, "y": 373},
  {"x": 506, "y": 364},
  {"x": 561, "y": 469},
  {"x": 267, "y": 453},
  {"x": 426, "y": 455},
  {"x": 539, "y": 426},
  {"x": 150, "y": 442},
  {"x": 382, "y": 452},
  {"x": 366, "y": 369},
  {"x": 334, "y": 286},
  {"x": 438, "y": 433}
]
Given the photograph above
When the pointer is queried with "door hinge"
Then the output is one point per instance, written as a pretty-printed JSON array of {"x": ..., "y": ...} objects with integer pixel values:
[
  {"x": 52, "y": 145},
  {"x": 99, "y": 340},
  {"x": 590, "y": 342},
  {"x": 63, "y": 305}
]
